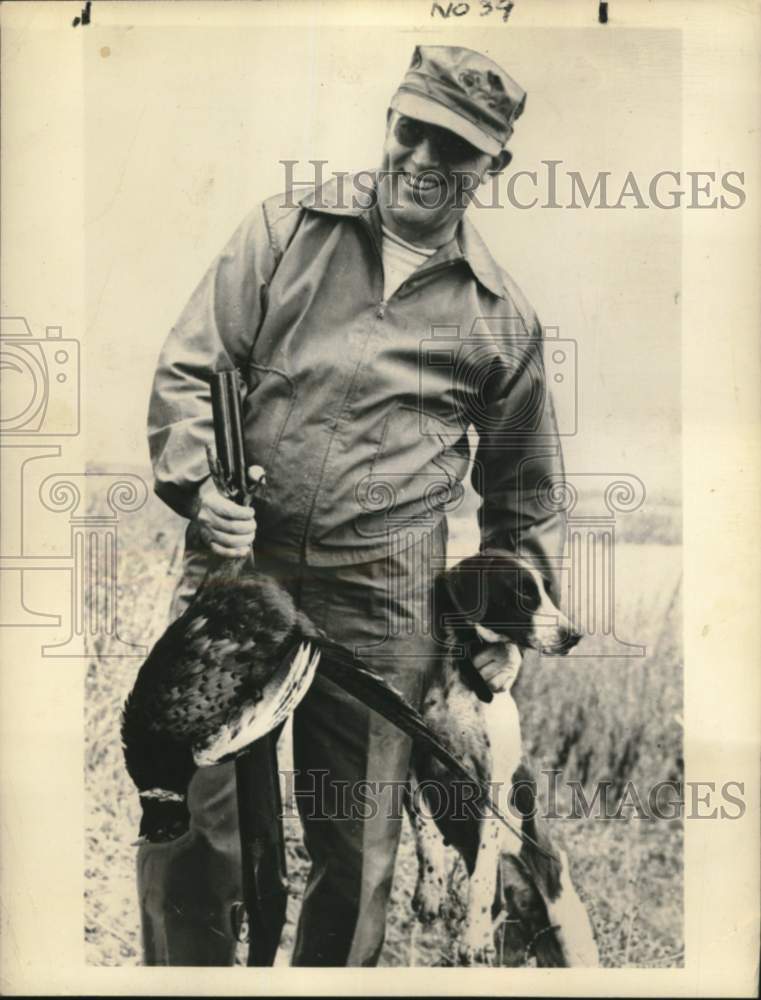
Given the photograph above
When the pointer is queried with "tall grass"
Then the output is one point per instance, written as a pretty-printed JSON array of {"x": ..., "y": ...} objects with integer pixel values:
[{"x": 588, "y": 717}]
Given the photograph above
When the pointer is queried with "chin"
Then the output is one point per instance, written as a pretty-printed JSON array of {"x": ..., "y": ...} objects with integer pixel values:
[
  {"x": 415, "y": 220},
  {"x": 402, "y": 208}
]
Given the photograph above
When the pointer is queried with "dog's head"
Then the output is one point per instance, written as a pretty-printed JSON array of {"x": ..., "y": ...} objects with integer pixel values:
[{"x": 504, "y": 597}]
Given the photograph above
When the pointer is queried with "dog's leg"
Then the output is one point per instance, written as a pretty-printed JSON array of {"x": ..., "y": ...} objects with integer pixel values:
[
  {"x": 477, "y": 944},
  {"x": 570, "y": 920},
  {"x": 503, "y": 731},
  {"x": 553, "y": 920},
  {"x": 431, "y": 855}
]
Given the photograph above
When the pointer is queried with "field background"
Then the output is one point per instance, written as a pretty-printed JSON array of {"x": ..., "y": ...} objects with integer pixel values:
[
  {"x": 592, "y": 718},
  {"x": 181, "y": 137}
]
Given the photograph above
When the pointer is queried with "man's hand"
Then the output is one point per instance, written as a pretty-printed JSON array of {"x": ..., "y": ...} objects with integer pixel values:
[
  {"x": 498, "y": 663},
  {"x": 227, "y": 528}
]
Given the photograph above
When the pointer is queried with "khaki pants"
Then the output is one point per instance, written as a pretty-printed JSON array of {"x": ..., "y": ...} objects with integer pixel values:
[{"x": 350, "y": 768}]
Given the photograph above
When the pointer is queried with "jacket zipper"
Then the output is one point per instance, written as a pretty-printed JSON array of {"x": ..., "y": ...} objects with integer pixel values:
[
  {"x": 380, "y": 312},
  {"x": 380, "y": 309}
]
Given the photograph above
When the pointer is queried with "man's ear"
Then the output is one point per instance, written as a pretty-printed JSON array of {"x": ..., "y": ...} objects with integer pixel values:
[{"x": 499, "y": 162}]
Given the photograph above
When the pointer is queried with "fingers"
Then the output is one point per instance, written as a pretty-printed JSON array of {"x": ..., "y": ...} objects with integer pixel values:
[
  {"x": 226, "y": 508},
  {"x": 229, "y": 553},
  {"x": 228, "y": 528},
  {"x": 506, "y": 653},
  {"x": 494, "y": 669},
  {"x": 482, "y": 657},
  {"x": 226, "y": 536},
  {"x": 498, "y": 678},
  {"x": 210, "y": 499},
  {"x": 229, "y": 525},
  {"x": 502, "y": 682},
  {"x": 229, "y": 534},
  {"x": 230, "y": 540},
  {"x": 234, "y": 536},
  {"x": 499, "y": 664},
  {"x": 227, "y": 544}
]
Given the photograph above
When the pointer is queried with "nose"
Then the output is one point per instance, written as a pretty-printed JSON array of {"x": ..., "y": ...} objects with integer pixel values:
[
  {"x": 569, "y": 639},
  {"x": 424, "y": 155}
]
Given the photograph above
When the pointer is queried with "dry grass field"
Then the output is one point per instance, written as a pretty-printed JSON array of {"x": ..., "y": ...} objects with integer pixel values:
[{"x": 589, "y": 718}]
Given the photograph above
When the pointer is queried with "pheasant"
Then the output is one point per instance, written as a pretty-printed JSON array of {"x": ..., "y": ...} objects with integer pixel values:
[{"x": 228, "y": 671}]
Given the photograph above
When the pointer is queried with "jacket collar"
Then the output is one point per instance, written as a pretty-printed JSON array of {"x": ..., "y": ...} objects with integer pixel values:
[{"x": 355, "y": 196}]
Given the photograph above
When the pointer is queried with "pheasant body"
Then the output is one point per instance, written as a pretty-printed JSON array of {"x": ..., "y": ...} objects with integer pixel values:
[{"x": 227, "y": 671}]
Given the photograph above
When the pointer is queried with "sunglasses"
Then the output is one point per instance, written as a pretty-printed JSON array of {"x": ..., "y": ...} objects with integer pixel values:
[{"x": 450, "y": 148}]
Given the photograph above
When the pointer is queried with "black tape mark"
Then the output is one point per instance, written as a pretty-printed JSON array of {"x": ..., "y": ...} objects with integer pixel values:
[
  {"x": 84, "y": 17},
  {"x": 602, "y": 12}
]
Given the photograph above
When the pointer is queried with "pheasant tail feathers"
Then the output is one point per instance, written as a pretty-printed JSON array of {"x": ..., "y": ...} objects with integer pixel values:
[{"x": 348, "y": 672}]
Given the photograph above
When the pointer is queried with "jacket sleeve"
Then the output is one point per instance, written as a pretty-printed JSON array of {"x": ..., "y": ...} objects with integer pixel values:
[
  {"x": 518, "y": 459},
  {"x": 216, "y": 328}
]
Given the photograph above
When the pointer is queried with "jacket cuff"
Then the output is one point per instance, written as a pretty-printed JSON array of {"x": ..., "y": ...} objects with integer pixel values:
[
  {"x": 542, "y": 544},
  {"x": 182, "y": 500}
]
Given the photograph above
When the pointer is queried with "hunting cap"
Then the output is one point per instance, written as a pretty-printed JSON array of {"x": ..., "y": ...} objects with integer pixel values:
[{"x": 463, "y": 91}]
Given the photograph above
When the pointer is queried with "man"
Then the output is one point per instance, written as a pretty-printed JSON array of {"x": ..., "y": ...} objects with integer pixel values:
[{"x": 325, "y": 305}]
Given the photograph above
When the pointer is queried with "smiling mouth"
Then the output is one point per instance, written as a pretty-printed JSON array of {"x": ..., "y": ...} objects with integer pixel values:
[{"x": 421, "y": 183}]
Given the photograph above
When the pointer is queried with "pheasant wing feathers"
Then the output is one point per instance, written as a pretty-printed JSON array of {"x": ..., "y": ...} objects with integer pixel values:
[
  {"x": 193, "y": 679},
  {"x": 217, "y": 656}
]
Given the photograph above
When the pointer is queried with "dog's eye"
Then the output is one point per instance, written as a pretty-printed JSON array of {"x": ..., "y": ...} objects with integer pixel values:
[{"x": 528, "y": 589}]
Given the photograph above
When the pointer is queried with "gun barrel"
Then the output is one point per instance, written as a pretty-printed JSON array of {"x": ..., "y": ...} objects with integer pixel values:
[
  {"x": 220, "y": 407},
  {"x": 238, "y": 469}
]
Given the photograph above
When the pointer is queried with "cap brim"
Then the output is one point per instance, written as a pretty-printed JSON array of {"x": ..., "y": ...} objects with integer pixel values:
[{"x": 426, "y": 110}]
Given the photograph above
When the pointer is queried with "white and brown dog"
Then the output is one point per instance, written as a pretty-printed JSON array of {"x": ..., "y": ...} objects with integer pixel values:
[{"x": 493, "y": 597}]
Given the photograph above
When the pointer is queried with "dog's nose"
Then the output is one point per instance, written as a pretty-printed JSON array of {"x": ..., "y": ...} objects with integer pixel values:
[{"x": 569, "y": 639}]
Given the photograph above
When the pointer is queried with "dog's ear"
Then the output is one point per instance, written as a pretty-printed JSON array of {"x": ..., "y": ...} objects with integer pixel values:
[
  {"x": 466, "y": 587},
  {"x": 516, "y": 583}
]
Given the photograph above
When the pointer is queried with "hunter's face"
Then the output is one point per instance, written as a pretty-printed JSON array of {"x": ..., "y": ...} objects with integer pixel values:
[{"x": 430, "y": 176}]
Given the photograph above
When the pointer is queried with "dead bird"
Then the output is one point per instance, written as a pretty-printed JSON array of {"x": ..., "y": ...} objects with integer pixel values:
[{"x": 227, "y": 671}]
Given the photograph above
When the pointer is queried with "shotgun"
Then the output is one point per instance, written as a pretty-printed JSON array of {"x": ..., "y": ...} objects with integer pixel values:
[{"x": 264, "y": 871}]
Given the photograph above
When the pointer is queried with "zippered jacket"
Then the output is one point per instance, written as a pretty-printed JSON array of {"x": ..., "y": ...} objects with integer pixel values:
[{"x": 363, "y": 411}]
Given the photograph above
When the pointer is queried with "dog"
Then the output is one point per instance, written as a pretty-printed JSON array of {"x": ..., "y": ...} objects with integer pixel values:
[
  {"x": 241, "y": 656},
  {"x": 489, "y": 598},
  {"x": 230, "y": 669}
]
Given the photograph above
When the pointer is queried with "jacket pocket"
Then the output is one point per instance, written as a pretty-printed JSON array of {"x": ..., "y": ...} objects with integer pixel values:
[
  {"x": 421, "y": 460},
  {"x": 270, "y": 400}
]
